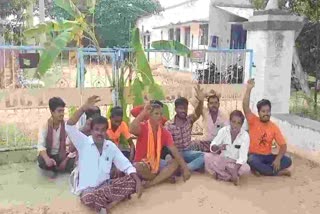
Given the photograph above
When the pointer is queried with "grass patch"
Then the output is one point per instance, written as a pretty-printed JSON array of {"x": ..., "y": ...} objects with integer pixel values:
[
  {"x": 304, "y": 106},
  {"x": 12, "y": 136}
]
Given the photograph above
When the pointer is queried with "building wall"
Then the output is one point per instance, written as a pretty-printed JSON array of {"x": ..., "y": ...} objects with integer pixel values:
[
  {"x": 199, "y": 10},
  {"x": 223, "y": 31},
  {"x": 302, "y": 135}
]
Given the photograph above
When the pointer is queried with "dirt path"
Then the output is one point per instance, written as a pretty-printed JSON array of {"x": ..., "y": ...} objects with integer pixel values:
[{"x": 22, "y": 190}]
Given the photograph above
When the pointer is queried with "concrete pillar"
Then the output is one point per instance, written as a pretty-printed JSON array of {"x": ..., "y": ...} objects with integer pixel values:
[{"x": 271, "y": 35}]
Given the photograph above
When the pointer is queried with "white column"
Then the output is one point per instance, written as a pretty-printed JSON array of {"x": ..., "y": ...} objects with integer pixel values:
[{"x": 271, "y": 35}]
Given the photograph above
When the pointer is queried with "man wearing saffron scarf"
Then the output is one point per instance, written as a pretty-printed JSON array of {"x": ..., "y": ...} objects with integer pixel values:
[
  {"x": 52, "y": 140},
  {"x": 96, "y": 156},
  {"x": 136, "y": 111},
  {"x": 152, "y": 137}
]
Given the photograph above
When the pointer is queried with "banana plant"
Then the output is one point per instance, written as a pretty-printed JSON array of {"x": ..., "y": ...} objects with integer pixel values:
[
  {"x": 66, "y": 31},
  {"x": 144, "y": 80},
  {"x": 171, "y": 46}
]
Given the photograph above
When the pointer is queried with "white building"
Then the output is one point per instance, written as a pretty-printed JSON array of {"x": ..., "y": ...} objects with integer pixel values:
[{"x": 199, "y": 24}]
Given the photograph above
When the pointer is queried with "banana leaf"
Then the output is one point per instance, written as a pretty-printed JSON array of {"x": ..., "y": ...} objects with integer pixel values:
[
  {"x": 69, "y": 7},
  {"x": 108, "y": 113},
  {"x": 136, "y": 90},
  {"x": 51, "y": 52},
  {"x": 144, "y": 69},
  {"x": 172, "y": 47},
  {"x": 156, "y": 92},
  {"x": 143, "y": 66},
  {"x": 72, "y": 110},
  {"x": 123, "y": 101},
  {"x": 50, "y": 26}
]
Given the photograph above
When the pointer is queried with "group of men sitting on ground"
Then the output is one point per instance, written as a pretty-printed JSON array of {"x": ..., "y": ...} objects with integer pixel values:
[{"x": 110, "y": 167}]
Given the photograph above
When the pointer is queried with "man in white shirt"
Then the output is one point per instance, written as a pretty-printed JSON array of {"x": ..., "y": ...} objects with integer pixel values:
[
  {"x": 96, "y": 156},
  {"x": 229, "y": 151},
  {"x": 52, "y": 140}
]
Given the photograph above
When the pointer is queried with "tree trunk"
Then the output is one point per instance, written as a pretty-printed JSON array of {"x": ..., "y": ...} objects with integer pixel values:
[{"x": 301, "y": 75}]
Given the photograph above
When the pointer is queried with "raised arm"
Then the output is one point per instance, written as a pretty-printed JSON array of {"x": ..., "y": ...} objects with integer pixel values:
[
  {"x": 246, "y": 99},
  {"x": 199, "y": 108},
  {"x": 135, "y": 124},
  {"x": 75, "y": 135},
  {"x": 90, "y": 103}
]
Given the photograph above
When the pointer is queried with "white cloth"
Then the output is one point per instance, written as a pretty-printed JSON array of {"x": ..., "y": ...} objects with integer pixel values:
[
  {"x": 242, "y": 140},
  {"x": 42, "y": 139},
  {"x": 211, "y": 129},
  {"x": 74, "y": 181},
  {"x": 93, "y": 167}
]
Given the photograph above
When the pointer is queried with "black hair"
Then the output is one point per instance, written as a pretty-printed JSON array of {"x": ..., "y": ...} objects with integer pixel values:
[
  {"x": 263, "y": 102},
  {"x": 93, "y": 113},
  {"x": 180, "y": 101},
  {"x": 56, "y": 102},
  {"x": 213, "y": 97},
  {"x": 156, "y": 102},
  {"x": 99, "y": 120},
  {"x": 238, "y": 114},
  {"x": 116, "y": 112}
]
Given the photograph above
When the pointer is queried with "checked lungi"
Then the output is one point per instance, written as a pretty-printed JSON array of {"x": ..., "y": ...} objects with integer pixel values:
[{"x": 108, "y": 192}]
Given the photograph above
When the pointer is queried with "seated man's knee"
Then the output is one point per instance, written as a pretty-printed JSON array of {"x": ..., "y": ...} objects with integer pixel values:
[
  {"x": 286, "y": 162},
  {"x": 143, "y": 170},
  {"x": 42, "y": 163},
  {"x": 139, "y": 167},
  {"x": 253, "y": 161},
  {"x": 173, "y": 163}
]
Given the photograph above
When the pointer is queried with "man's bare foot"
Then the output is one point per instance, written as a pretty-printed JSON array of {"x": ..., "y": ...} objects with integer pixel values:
[
  {"x": 215, "y": 176},
  {"x": 284, "y": 172},
  {"x": 236, "y": 181},
  {"x": 146, "y": 184},
  {"x": 255, "y": 173},
  {"x": 172, "y": 180}
]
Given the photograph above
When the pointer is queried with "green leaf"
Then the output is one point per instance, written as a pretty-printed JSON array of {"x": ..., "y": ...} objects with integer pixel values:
[
  {"x": 108, "y": 113},
  {"x": 69, "y": 7},
  {"x": 39, "y": 29},
  {"x": 136, "y": 91},
  {"x": 92, "y": 5},
  {"x": 143, "y": 66},
  {"x": 171, "y": 46},
  {"x": 156, "y": 92},
  {"x": 72, "y": 110},
  {"x": 166, "y": 112},
  {"x": 51, "y": 52},
  {"x": 123, "y": 141},
  {"x": 123, "y": 100},
  {"x": 50, "y": 26}
]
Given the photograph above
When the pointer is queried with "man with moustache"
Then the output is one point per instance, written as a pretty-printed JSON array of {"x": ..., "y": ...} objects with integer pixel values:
[
  {"x": 96, "y": 155},
  {"x": 181, "y": 127},
  {"x": 52, "y": 140},
  {"x": 213, "y": 121},
  {"x": 262, "y": 134}
]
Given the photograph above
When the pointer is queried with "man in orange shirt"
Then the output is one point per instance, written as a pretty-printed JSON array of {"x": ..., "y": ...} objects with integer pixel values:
[
  {"x": 262, "y": 134},
  {"x": 117, "y": 130}
]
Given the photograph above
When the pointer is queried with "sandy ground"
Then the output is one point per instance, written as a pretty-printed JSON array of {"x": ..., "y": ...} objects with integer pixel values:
[{"x": 24, "y": 190}]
